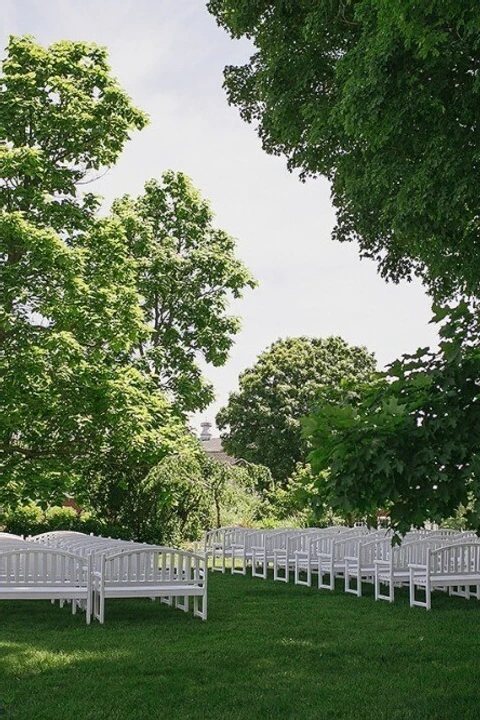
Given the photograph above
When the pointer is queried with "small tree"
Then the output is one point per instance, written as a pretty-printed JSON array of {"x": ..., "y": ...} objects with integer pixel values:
[{"x": 188, "y": 493}]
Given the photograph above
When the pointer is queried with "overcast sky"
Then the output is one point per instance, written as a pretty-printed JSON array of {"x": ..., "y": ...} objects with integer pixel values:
[{"x": 169, "y": 56}]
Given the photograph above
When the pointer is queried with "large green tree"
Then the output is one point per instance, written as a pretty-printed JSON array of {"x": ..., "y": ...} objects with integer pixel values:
[
  {"x": 408, "y": 442},
  {"x": 102, "y": 319},
  {"x": 383, "y": 99},
  {"x": 262, "y": 419},
  {"x": 186, "y": 274},
  {"x": 70, "y": 314}
]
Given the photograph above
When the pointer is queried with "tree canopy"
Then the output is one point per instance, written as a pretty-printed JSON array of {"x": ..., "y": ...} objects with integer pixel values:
[
  {"x": 382, "y": 99},
  {"x": 407, "y": 443},
  {"x": 80, "y": 403},
  {"x": 262, "y": 419},
  {"x": 69, "y": 307},
  {"x": 186, "y": 274}
]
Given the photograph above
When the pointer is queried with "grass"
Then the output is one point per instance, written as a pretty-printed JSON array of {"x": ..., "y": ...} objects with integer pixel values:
[{"x": 268, "y": 650}]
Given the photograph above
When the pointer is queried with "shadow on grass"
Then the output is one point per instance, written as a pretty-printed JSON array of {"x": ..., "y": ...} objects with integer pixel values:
[{"x": 268, "y": 650}]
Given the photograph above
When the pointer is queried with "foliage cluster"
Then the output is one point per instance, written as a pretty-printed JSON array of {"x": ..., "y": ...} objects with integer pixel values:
[
  {"x": 382, "y": 99},
  {"x": 262, "y": 419},
  {"x": 32, "y": 520},
  {"x": 103, "y": 319},
  {"x": 413, "y": 433},
  {"x": 185, "y": 272},
  {"x": 184, "y": 495},
  {"x": 172, "y": 504},
  {"x": 300, "y": 502}
]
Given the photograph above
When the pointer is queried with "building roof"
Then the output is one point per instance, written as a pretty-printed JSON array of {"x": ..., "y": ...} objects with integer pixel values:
[{"x": 213, "y": 448}]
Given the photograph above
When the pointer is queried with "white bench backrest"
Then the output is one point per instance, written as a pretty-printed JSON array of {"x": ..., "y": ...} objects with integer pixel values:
[
  {"x": 459, "y": 559},
  {"x": 43, "y": 566},
  {"x": 299, "y": 542},
  {"x": 54, "y": 538},
  {"x": 216, "y": 536},
  {"x": 417, "y": 552},
  {"x": 153, "y": 566},
  {"x": 378, "y": 548}
]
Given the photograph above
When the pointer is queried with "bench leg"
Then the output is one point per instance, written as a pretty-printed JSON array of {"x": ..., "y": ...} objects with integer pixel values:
[
  {"x": 378, "y": 587},
  {"x": 259, "y": 559},
  {"x": 460, "y": 591},
  {"x": 88, "y": 607},
  {"x": 182, "y": 605},
  {"x": 348, "y": 581},
  {"x": 242, "y": 570},
  {"x": 299, "y": 568},
  {"x": 200, "y": 606},
  {"x": 427, "y": 603},
  {"x": 218, "y": 554},
  {"x": 99, "y": 606},
  {"x": 330, "y": 585},
  {"x": 277, "y": 566}
]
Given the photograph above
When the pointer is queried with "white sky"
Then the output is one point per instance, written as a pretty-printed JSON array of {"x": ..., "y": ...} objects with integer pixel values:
[{"x": 169, "y": 56}]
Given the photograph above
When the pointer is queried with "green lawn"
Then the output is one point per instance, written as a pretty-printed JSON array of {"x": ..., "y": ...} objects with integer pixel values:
[{"x": 268, "y": 650}]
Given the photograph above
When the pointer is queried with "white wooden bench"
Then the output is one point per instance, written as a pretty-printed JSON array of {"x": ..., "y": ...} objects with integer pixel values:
[
  {"x": 11, "y": 541},
  {"x": 331, "y": 564},
  {"x": 261, "y": 555},
  {"x": 361, "y": 565},
  {"x": 284, "y": 558},
  {"x": 453, "y": 566},
  {"x": 214, "y": 538},
  {"x": 221, "y": 544},
  {"x": 325, "y": 555},
  {"x": 166, "y": 573},
  {"x": 278, "y": 545},
  {"x": 241, "y": 552},
  {"x": 53, "y": 537},
  {"x": 306, "y": 558},
  {"x": 393, "y": 570},
  {"x": 41, "y": 573},
  {"x": 10, "y": 536}
]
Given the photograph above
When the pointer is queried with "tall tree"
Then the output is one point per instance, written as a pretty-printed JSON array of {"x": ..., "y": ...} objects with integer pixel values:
[
  {"x": 381, "y": 98},
  {"x": 187, "y": 274},
  {"x": 70, "y": 311},
  {"x": 262, "y": 419}
]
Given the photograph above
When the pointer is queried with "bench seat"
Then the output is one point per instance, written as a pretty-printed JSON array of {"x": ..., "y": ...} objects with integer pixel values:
[{"x": 150, "y": 591}]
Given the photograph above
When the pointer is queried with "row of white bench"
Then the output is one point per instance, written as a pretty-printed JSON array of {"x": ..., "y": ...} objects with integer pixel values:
[
  {"x": 445, "y": 559},
  {"x": 87, "y": 570}
]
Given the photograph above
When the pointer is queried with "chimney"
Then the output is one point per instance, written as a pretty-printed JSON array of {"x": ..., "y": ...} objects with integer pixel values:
[{"x": 205, "y": 434}]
